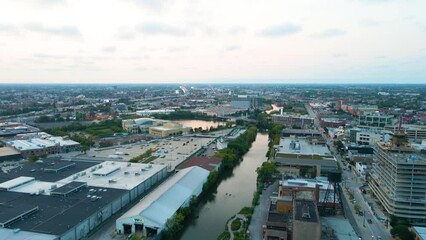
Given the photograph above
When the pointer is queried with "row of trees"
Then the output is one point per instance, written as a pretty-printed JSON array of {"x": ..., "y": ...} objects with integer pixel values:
[
  {"x": 233, "y": 154},
  {"x": 142, "y": 156},
  {"x": 102, "y": 129},
  {"x": 175, "y": 224},
  {"x": 184, "y": 115}
]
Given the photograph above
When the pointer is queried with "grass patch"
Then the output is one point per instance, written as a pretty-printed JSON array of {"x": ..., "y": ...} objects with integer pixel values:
[
  {"x": 224, "y": 236},
  {"x": 150, "y": 159},
  {"x": 236, "y": 224},
  {"x": 141, "y": 157},
  {"x": 246, "y": 211}
]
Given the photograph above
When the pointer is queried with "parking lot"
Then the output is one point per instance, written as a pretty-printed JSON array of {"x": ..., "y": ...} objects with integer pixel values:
[{"x": 169, "y": 151}]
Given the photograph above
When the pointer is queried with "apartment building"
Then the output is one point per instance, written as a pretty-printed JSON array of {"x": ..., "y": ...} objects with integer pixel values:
[
  {"x": 398, "y": 179},
  {"x": 376, "y": 119}
]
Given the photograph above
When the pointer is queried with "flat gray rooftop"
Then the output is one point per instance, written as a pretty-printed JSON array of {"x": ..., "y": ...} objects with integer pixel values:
[
  {"x": 302, "y": 146},
  {"x": 54, "y": 215},
  {"x": 49, "y": 170},
  {"x": 305, "y": 211}
]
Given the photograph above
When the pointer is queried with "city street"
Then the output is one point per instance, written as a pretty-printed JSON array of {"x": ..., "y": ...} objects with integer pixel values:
[{"x": 351, "y": 186}]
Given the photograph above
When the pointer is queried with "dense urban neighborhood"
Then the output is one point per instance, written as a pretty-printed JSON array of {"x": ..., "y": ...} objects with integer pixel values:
[{"x": 213, "y": 161}]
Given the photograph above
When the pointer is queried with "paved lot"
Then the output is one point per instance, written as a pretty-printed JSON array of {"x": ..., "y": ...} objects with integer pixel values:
[{"x": 170, "y": 151}]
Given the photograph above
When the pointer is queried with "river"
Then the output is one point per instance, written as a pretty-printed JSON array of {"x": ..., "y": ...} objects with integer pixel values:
[
  {"x": 205, "y": 125},
  {"x": 215, "y": 210}
]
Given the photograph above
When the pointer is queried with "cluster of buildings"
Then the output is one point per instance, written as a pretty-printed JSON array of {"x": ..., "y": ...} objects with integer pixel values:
[
  {"x": 307, "y": 186},
  {"x": 293, "y": 214},
  {"x": 67, "y": 199},
  {"x": 155, "y": 127},
  {"x": 38, "y": 144},
  {"x": 246, "y": 102},
  {"x": 389, "y": 152},
  {"x": 10, "y": 129},
  {"x": 292, "y": 120}
]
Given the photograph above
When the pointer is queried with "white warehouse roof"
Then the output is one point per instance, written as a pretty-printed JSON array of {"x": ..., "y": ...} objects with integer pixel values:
[{"x": 165, "y": 200}]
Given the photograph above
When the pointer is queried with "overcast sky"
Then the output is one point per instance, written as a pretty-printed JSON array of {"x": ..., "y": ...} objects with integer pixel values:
[{"x": 187, "y": 41}]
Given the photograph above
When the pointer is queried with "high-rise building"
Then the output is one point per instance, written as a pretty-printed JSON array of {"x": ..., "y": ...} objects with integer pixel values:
[{"x": 398, "y": 179}]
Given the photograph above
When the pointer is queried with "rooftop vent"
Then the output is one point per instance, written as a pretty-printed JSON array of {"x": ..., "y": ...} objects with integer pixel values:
[{"x": 305, "y": 212}]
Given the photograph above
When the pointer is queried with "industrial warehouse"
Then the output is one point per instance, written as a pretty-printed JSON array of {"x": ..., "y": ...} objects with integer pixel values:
[
  {"x": 65, "y": 199},
  {"x": 151, "y": 213}
]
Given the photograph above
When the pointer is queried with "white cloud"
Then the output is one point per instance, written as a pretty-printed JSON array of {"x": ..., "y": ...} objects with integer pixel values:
[
  {"x": 156, "y": 28},
  {"x": 171, "y": 40},
  {"x": 329, "y": 33},
  {"x": 280, "y": 30},
  {"x": 66, "y": 31}
]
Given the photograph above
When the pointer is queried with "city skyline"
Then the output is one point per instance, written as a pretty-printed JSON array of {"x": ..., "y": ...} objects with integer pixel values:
[{"x": 356, "y": 42}]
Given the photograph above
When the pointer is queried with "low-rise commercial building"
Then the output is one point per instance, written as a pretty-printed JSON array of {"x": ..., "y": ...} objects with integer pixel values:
[
  {"x": 9, "y": 154},
  {"x": 66, "y": 200},
  {"x": 169, "y": 129},
  {"x": 291, "y": 120},
  {"x": 368, "y": 136},
  {"x": 306, "y": 224},
  {"x": 10, "y": 129},
  {"x": 208, "y": 163},
  {"x": 45, "y": 144},
  {"x": 323, "y": 188},
  {"x": 140, "y": 125},
  {"x": 150, "y": 215},
  {"x": 304, "y": 156}
]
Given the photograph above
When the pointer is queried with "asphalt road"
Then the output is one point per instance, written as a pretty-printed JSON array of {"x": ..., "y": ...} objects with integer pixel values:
[{"x": 260, "y": 213}]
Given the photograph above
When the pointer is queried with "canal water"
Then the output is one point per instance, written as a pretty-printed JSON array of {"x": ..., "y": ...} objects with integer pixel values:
[
  {"x": 205, "y": 125},
  {"x": 233, "y": 193}
]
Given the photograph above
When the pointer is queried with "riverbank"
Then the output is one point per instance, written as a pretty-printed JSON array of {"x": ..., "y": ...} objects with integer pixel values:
[
  {"x": 234, "y": 190},
  {"x": 231, "y": 157}
]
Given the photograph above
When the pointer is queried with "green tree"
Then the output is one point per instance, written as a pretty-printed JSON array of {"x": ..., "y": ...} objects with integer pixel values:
[
  {"x": 402, "y": 232},
  {"x": 357, "y": 208},
  {"x": 32, "y": 158},
  {"x": 266, "y": 171}
]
